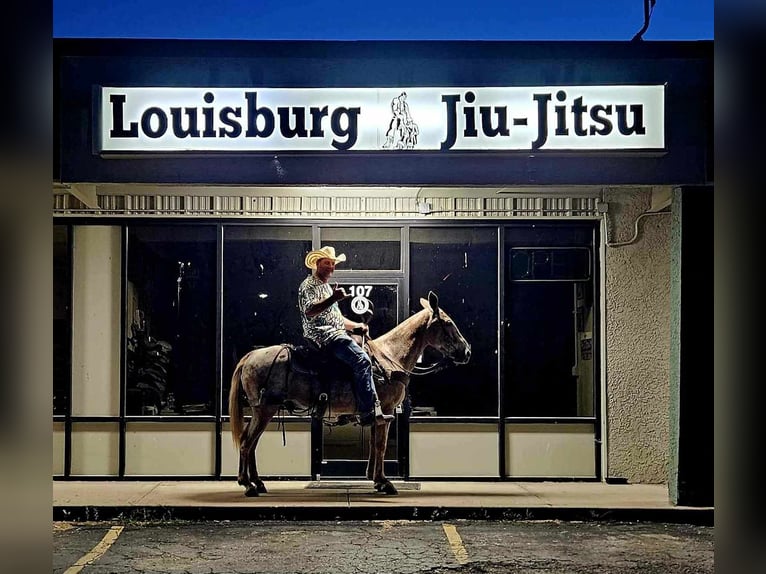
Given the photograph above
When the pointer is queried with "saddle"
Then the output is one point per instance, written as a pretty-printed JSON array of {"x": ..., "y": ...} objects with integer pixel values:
[
  {"x": 328, "y": 373},
  {"x": 309, "y": 359}
]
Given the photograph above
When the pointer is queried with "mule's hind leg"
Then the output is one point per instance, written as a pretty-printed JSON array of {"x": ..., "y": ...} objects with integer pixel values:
[
  {"x": 243, "y": 479},
  {"x": 262, "y": 415},
  {"x": 247, "y": 444}
]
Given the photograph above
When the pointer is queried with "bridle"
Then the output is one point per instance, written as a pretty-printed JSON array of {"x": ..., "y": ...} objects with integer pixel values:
[{"x": 439, "y": 365}]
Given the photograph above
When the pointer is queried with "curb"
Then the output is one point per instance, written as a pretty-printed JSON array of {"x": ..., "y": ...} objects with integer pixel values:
[{"x": 686, "y": 515}]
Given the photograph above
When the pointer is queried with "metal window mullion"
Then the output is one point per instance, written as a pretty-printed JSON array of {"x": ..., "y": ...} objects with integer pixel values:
[
  {"x": 218, "y": 392},
  {"x": 599, "y": 370},
  {"x": 501, "y": 350},
  {"x": 70, "y": 317},
  {"x": 123, "y": 348},
  {"x": 404, "y": 428}
]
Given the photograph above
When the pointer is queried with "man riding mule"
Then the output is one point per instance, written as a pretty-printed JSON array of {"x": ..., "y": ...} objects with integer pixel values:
[
  {"x": 271, "y": 378},
  {"x": 327, "y": 328}
]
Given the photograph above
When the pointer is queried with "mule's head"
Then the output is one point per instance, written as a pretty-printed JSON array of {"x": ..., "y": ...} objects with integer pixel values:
[{"x": 442, "y": 333}]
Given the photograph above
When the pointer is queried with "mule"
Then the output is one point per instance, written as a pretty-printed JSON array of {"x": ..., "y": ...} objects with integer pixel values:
[{"x": 267, "y": 372}]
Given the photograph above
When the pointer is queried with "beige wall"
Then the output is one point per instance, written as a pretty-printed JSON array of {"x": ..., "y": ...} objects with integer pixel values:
[
  {"x": 453, "y": 450},
  {"x": 58, "y": 449},
  {"x": 637, "y": 300},
  {"x": 550, "y": 450},
  {"x": 95, "y": 449},
  {"x": 96, "y": 321},
  {"x": 168, "y": 449},
  {"x": 275, "y": 458}
]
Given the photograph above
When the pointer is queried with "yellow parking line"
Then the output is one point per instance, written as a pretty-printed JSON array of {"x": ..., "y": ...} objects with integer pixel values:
[
  {"x": 455, "y": 543},
  {"x": 98, "y": 550}
]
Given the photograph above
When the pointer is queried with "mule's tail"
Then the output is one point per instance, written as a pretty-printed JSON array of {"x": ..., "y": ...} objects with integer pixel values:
[{"x": 235, "y": 410}]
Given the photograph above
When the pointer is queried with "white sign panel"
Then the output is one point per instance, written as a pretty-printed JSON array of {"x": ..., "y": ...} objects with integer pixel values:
[{"x": 380, "y": 119}]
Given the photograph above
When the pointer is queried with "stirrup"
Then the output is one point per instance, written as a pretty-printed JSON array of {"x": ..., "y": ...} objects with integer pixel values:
[{"x": 379, "y": 413}]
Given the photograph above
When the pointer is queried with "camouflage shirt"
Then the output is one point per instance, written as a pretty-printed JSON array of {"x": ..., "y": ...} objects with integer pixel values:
[{"x": 328, "y": 324}]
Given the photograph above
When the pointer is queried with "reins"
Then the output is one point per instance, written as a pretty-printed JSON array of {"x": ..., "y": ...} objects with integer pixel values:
[
  {"x": 432, "y": 368},
  {"x": 416, "y": 370}
]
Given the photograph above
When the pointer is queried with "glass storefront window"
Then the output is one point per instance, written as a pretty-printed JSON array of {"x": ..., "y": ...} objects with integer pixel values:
[
  {"x": 262, "y": 269},
  {"x": 366, "y": 248},
  {"x": 62, "y": 300},
  {"x": 460, "y": 266},
  {"x": 170, "y": 320},
  {"x": 550, "y": 322},
  {"x": 541, "y": 277}
]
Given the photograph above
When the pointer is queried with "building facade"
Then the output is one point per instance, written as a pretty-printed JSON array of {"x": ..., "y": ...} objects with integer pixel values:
[{"x": 547, "y": 192}]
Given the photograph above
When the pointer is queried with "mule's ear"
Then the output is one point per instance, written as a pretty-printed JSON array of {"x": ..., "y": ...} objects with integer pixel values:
[
  {"x": 425, "y": 304},
  {"x": 433, "y": 301}
]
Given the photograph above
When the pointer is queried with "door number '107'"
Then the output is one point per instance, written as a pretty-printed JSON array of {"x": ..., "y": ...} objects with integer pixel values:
[{"x": 360, "y": 290}]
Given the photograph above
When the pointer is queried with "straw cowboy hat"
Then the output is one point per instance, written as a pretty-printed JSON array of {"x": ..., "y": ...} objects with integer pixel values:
[{"x": 327, "y": 252}]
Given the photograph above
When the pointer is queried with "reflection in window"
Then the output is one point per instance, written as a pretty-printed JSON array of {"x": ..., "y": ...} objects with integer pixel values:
[
  {"x": 62, "y": 297},
  {"x": 366, "y": 248},
  {"x": 554, "y": 264},
  {"x": 262, "y": 269},
  {"x": 171, "y": 296},
  {"x": 460, "y": 266},
  {"x": 549, "y": 364}
]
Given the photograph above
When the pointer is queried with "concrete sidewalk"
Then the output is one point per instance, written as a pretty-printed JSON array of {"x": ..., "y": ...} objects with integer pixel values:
[{"x": 357, "y": 500}]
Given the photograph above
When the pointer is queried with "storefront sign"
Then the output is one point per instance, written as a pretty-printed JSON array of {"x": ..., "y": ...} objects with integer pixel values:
[{"x": 574, "y": 118}]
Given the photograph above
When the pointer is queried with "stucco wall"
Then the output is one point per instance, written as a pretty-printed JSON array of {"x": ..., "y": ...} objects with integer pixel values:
[{"x": 637, "y": 339}]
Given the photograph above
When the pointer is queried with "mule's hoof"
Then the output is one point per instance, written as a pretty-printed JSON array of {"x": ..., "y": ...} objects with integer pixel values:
[
  {"x": 251, "y": 491},
  {"x": 261, "y": 488},
  {"x": 388, "y": 488}
]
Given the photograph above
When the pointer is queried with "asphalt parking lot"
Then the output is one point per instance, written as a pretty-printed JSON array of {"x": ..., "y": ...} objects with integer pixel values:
[{"x": 385, "y": 546}]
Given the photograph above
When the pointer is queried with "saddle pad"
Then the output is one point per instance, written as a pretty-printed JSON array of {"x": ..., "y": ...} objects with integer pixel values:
[{"x": 361, "y": 485}]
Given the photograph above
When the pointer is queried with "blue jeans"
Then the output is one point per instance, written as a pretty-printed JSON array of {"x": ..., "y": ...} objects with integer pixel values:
[{"x": 347, "y": 351}]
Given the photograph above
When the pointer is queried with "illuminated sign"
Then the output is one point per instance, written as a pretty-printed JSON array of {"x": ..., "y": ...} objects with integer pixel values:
[{"x": 575, "y": 118}]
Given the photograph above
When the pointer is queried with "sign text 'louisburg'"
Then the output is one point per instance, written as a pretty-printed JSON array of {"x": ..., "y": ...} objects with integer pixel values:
[{"x": 368, "y": 119}]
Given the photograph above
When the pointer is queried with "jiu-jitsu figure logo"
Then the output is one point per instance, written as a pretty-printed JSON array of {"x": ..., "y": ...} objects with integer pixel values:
[{"x": 402, "y": 131}]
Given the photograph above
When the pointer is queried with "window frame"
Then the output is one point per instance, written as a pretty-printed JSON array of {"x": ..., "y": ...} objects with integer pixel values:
[{"x": 406, "y": 225}]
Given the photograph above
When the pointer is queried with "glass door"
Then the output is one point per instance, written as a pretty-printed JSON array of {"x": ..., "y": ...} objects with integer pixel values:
[{"x": 345, "y": 449}]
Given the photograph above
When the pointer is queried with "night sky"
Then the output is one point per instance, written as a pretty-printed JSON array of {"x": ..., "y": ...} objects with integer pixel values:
[{"x": 363, "y": 20}]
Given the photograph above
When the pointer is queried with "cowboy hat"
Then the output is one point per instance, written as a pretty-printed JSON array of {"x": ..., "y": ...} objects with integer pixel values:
[{"x": 327, "y": 252}]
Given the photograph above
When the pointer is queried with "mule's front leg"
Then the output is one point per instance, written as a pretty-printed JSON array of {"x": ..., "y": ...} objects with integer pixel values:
[
  {"x": 382, "y": 484},
  {"x": 372, "y": 456}
]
